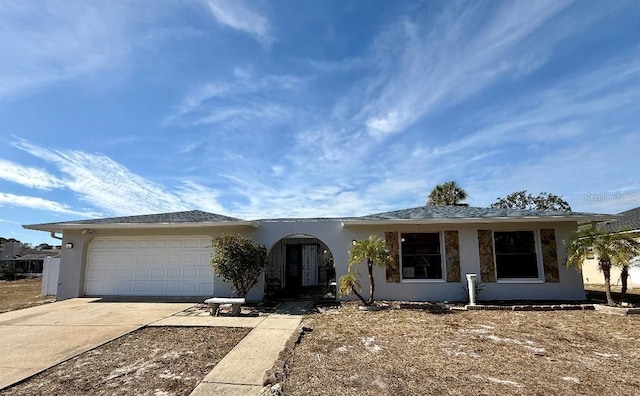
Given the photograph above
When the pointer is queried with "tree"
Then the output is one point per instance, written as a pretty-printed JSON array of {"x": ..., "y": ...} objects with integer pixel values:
[
  {"x": 372, "y": 251},
  {"x": 524, "y": 200},
  {"x": 238, "y": 260},
  {"x": 448, "y": 193},
  {"x": 612, "y": 249}
]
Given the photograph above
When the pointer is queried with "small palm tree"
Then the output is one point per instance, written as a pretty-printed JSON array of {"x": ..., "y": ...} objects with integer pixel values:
[
  {"x": 373, "y": 251},
  {"x": 612, "y": 249},
  {"x": 448, "y": 193}
]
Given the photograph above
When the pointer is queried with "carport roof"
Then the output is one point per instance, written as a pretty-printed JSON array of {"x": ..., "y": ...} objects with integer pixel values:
[{"x": 192, "y": 218}]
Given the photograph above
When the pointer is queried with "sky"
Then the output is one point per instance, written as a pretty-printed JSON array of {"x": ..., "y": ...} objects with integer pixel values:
[{"x": 267, "y": 109}]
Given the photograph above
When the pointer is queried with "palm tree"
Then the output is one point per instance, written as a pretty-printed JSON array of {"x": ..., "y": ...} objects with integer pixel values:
[
  {"x": 448, "y": 193},
  {"x": 611, "y": 248},
  {"x": 374, "y": 252}
]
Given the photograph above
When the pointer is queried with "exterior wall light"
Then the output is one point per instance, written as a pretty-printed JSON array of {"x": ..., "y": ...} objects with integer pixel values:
[
  {"x": 354, "y": 242},
  {"x": 68, "y": 245}
]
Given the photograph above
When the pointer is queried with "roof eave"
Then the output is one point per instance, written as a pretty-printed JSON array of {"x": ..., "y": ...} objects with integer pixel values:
[
  {"x": 132, "y": 226},
  {"x": 480, "y": 220}
]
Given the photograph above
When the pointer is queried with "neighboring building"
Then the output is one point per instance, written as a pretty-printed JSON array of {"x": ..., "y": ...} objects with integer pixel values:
[
  {"x": 629, "y": 221},
  {"x": 24, "y": 262},
  {"x": 10, "y": 250},
  {"x": 517, "y": 254}
]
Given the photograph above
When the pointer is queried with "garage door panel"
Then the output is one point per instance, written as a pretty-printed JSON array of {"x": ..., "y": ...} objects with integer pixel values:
[
  {"x": 144, "y": 243},
  {"x": 141, "y": 274},
  {"x": 125, "y": 274},
  {"x": 149, "y": 266}
]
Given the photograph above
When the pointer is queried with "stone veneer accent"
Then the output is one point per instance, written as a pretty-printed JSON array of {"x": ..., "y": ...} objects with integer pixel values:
[
  {"x": 549, "y": 255},
  {"x": 485, "y": 249},
  {"x": 452, "y": 251},
  {"x": 393, "y": 264}
]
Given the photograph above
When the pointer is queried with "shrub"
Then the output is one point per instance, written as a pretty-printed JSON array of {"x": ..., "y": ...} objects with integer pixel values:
[
  {"x": 238, "y": 260},
  {"x": 7, "y": 272}
]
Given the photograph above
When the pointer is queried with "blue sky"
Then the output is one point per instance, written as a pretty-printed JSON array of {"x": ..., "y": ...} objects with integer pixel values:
[{"x": 259, "y": 109}]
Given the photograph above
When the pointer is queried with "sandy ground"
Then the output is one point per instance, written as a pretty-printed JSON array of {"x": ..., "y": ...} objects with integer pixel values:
[
  {"x": 416, "y": 352},
  {"x": 21, "y": 293},
  {"x": 158, "y": 361}
]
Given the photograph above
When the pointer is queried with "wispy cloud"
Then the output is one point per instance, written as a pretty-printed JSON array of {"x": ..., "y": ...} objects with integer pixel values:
[
  {"x": 450, "y": 59},
  {"x": 7, "y": 199},
  {"x": 247, "y": 95},
  {"x": 28, "y": 176},
  {"x": 110, "y": 187},
  {"x": 238, "y": 15},
  {"x": 51, "y": 42}
]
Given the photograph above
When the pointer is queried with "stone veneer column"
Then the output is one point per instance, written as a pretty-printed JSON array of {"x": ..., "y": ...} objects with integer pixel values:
[
  {"x": 549, "y": 255},
  {"x": 393, "y": 265},
  {"x": 485, "y": 250},
  {"x": 452, "y": 251}
]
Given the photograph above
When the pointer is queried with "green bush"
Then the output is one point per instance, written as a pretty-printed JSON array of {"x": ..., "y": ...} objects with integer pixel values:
[
  {"x": 7, "y": 272},
  {"x": 238, "y": 260}
]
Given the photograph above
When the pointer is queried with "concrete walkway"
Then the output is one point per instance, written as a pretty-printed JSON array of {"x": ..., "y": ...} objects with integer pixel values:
[
  {"x": 241, "y": 371},
  {"x": 34, "y": 339}
]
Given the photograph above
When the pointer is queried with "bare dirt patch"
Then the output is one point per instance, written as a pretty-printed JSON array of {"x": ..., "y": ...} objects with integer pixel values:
[
  {"x": 21, "y": 293},
  {"x": 417, "y": 352},
  {"x": 150, "y": 361}
]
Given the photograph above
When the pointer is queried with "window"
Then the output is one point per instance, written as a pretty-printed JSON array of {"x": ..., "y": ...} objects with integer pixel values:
[
  {"x": 421, "y": 255},
  {"x": 516, "y": 255}
]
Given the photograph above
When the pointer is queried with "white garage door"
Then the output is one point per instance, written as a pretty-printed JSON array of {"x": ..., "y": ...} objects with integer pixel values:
[{"x": 149, "y": 266}]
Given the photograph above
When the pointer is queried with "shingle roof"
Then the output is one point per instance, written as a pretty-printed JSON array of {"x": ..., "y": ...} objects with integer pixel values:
[
  {"x": 187, "y": 217},
  {"x": 464, "y": 212},
  {"x": 37, "y": 256},
  {"x": 630, "y": 222}
]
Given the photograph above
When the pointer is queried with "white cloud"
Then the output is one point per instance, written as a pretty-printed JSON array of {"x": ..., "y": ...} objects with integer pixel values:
[
  {"x": 237, "y": 15},
  {"x": 109, "y": 186},
  {"x": 8, "y": 199},
  {"x": 427, "y": 66},
  {"x": 237, "y": 99},
  {"x": 30, "y": 177},
  {"x": 53, "y": 41}
]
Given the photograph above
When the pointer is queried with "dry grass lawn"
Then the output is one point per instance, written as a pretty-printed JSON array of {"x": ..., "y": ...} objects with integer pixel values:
[
  {"x": 415, "y": 352},
  {"x": 158, "y": 361},
  {"x": 21, "y": 293}
]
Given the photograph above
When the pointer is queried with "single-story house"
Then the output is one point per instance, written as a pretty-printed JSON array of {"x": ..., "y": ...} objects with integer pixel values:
[
  {"x": 516, "y": 254},
  {"x": 629, "y": 221},
  {"x": 24, "y": 261}
]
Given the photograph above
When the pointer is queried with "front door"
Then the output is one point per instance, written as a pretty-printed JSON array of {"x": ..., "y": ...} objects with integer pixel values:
[{"x": 294, "y": 267}]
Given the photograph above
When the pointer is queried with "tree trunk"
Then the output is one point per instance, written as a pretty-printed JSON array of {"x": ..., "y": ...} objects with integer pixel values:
[
  {"x": 372, "y": 285},
  {"x": 605, "y": 266},
  {"x": 353, "y": 289},
  {"x": 624, "y": 276}
]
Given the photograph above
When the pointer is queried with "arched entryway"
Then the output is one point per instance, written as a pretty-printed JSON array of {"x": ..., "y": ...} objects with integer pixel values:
[{"x": 300, "y": 266}]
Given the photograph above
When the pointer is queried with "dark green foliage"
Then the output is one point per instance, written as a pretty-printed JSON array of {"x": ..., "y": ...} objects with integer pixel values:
[
  {"x": 448, "y": 193},
  {"x": 524, "y": 200},
  {"x": 7, "y": 272},
  {"x": 238, "y": 260}
]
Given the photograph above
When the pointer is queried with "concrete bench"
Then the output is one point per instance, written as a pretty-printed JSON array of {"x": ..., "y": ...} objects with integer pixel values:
[{"x": 215, "y": 302}]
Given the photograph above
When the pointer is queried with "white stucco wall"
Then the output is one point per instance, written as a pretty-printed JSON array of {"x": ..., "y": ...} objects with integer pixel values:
[
  {"x": 570, "y": 286},
  {"x": 338, "y": 239},
  {"x": 592, "y": 275}
]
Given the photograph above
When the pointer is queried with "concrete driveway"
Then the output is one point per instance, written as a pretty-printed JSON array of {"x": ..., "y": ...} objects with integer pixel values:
[{"x": 34, "y": 339}]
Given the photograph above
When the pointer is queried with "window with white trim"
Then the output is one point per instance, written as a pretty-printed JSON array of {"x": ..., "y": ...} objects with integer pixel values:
[
  {"x": 421, "y": 255},
  {"x": 516, "y": 255}
]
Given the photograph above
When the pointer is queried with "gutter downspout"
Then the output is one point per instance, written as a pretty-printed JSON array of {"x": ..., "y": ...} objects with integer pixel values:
[{"x": 54, "y": 236}]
